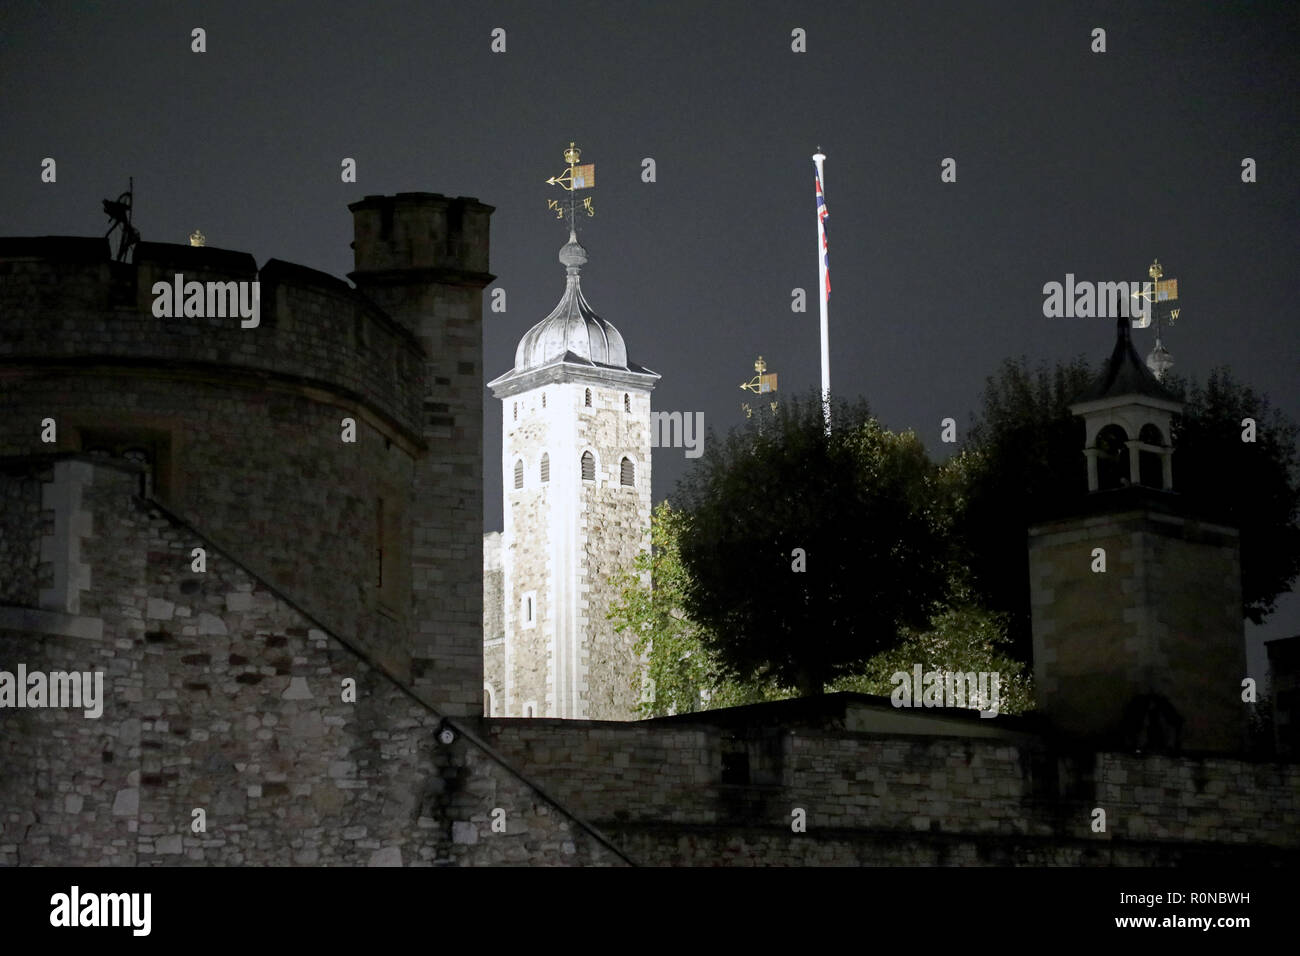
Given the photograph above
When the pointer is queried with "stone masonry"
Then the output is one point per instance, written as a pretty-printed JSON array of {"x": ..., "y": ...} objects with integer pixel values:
[{"x": 290, "y": 628}]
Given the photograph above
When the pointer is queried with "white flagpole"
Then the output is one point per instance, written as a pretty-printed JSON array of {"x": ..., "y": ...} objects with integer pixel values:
[{"x": 822, "y": 269}]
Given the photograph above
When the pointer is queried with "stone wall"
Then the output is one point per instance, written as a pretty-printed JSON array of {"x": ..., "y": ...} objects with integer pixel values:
[
  {"x": 222, "y": 696},
  {"x": 61, "y": 305},
  {"x": 379, "y": 538},
  {"x": 677, "y": 792},
  {"x": 493, "y": 626},
  {"x": 1164, "y": 618},
  {"x": 533, "y": 559},
  {"x": 423, "y": 259},
  {"x": 21, "y": 525},
  {"x": 613, "y": 528},
  {"x": 265, "y": 475}
]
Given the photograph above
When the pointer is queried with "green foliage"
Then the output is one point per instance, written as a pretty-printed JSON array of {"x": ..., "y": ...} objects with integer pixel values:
[
  {"x": 866, "y": 507},
  {"x": 962, "y": 638},
  {"x": 685, "y": 675},
  {"x": 1252, "y": 486},
  {"x": 1024, "y": 459}
]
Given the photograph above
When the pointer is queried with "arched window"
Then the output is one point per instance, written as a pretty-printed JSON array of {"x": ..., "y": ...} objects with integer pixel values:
[
  {"x": 586, "y": 400},
  {"x": 1151, "y": 470},
  {"x": 519, "y": 473},
  {"x": 546, "y": 467},
  {"x": 626, "y": 473},
  {"x": 487, "y": 701},
  {"x": 1112, "y": 458},
  {"x": 588, "y": 466},
  {"x": 627, "y": 402}
]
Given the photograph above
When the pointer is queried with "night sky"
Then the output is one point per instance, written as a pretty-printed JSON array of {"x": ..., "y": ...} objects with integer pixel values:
[{"x": 1068, "y": 161}]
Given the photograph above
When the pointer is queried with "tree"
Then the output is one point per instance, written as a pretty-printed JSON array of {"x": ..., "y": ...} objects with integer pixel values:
[
  {"x": 1024, "y": 459},
  {"x": 683, "y": 674},
  {"x": 960, "y": 636},
  {"x": 1024, "y": 462},
  {"x": 1253, "y": 486},
  {"x": 805, "y": 552}
]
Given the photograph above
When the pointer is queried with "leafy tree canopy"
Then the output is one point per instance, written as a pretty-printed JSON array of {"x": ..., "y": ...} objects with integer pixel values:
[
  {"x": 960, "y": 636},
  {"x": 806, "y": 552}
]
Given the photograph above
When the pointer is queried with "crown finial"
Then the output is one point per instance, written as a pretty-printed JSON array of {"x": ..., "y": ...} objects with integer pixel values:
[{"x": 198, "y": 239}]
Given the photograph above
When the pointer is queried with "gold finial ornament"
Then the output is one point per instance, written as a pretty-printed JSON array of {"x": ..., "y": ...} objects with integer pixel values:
[
  {"x": 1156, "y": 270},
  {"x": 198, "y": 239},
  {"x": 572, "y": 154}
]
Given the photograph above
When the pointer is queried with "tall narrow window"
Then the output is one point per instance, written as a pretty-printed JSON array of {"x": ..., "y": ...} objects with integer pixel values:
[
  {"x": 543, "y": 399},
  {"x": 588, "y": 467},
  {"x": 528, "y": 609},
  {"x": 586, "y": 400},
  {"x": 516, "y": 411},
  {"x": 546, "y": 467},
  {"x": 627, "y": 402},
  {"x": 626, "y": 473},
  {"x": 519, "y": 473}
]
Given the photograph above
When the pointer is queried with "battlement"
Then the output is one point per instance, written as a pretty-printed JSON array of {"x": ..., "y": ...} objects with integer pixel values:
[
  {"x": 64, "y": 302},
  {"x": 426, "y": 231},
  {"x": 332, "y": 433}
]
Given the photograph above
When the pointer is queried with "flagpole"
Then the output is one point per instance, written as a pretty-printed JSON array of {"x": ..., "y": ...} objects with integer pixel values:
[{"x": 823, "y": 269}]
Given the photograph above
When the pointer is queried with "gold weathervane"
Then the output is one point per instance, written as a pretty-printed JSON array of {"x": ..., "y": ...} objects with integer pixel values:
[
  {"x": 1162, "y": 290},
  {"x": 572, "y": 179},
  {"x": 760, "y": 384},
  {"x": 198, "y": 239}
]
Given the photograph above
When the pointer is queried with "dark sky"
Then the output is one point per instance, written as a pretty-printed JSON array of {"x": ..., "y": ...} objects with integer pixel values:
[{"x": 1067, "y": 161}]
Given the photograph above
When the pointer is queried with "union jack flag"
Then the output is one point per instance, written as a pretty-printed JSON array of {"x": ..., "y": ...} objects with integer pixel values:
[{"x": 822, "y": 213}]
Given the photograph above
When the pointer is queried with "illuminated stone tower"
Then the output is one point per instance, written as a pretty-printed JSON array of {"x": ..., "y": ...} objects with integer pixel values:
[{"x": 575, "y": 457}]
